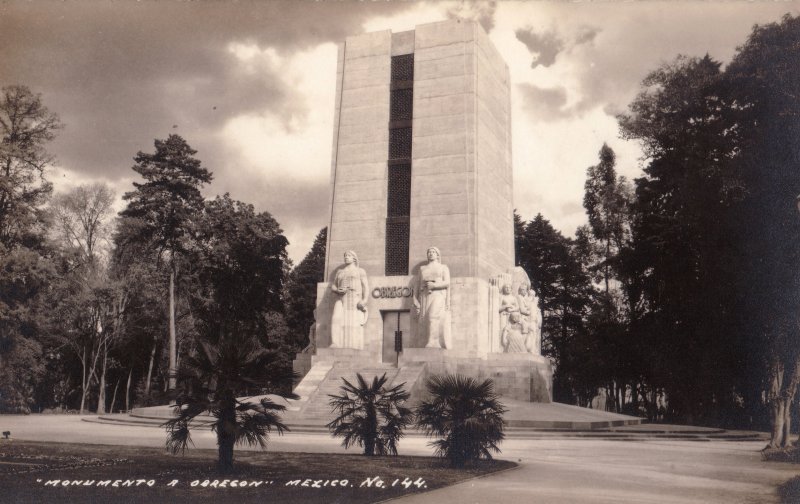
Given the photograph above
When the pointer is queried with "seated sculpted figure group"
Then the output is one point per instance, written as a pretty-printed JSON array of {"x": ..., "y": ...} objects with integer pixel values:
[{"x": 520, "y": 320}]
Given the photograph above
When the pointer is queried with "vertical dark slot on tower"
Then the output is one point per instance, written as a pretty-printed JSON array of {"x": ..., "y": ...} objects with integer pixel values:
[{"x": 399, "y": 166}]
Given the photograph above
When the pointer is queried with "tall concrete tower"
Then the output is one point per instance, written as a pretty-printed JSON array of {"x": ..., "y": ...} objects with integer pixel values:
[
  {"x": 422, "y": 151},
  {"x": 421, "y": 193}
]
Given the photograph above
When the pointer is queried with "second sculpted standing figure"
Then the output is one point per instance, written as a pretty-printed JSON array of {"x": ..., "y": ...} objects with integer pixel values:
[
  {"x": 350, "y": 308},
  {"x": 432, "y": 300}
]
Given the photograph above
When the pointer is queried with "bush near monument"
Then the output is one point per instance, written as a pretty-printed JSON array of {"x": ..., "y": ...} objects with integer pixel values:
[
  {"x": 213, "y": 381},
  {"x": 370, "y": 415},
  {"x": 466, "y": 415}
]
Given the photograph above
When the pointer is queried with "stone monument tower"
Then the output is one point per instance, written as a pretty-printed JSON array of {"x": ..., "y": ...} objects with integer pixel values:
[{"x": 419, "y": 271}]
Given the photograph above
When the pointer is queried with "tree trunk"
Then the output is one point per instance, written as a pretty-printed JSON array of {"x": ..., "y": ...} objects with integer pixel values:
[
  {"x": 372, "y": 434},
  {"x": 83, "y": 380},
  {"x": 782, "y": 392},
  {"x": 113, "y": 397},
  {"x": 777, "y": 412},
  {"x": 608, "y": 253},
  {"x": 611, "y": 397},
  {"x": 128, "y": 391},
  {"x": 226, "y": 435},
  {"x": 101, "y": 393},
  {"x": 173, "y": 362},
  {"x": 787, "y": 423},
  {"x": 150, "y": 370}
]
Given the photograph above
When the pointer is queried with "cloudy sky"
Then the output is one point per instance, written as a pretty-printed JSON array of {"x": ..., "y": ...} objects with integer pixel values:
[{"x": 250, "y": 86}]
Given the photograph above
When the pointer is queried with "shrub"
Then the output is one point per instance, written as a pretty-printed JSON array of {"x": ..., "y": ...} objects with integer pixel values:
[
  {"x": 370, "y": 415},
  {"x": 213, "y": 382},
  {"x": 466, "y": 415}
]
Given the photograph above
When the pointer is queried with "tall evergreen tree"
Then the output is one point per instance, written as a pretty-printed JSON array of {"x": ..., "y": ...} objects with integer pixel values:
[
  {"x": 167, "y": 205},
  {"x": 607, "y": 201}
]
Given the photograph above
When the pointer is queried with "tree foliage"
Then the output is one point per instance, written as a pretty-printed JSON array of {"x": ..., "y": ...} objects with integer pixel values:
[
  {"x": 83, "y": 221},
  {"x": 563, "y": 286},
  {"x": 763, "y": 82},
  {"x": 715, "y": 232},
  {"x": 241, "y": 255},
  {"x": 169, "y": 200},
  {"x": 26, "y": 126},
  {"x": 26, "y": 269},
  {"x": 301, "y": 290}
]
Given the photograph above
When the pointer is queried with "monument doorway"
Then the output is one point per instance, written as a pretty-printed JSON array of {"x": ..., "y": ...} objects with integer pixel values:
[{"x": 396, "y": 324}]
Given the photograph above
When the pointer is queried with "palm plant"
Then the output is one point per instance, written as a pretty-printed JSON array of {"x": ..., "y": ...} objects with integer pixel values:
[
  {"x": 370, "y": 415},
  {"x": 213, "y": 381},
  {"x": 466, "y": 415}
]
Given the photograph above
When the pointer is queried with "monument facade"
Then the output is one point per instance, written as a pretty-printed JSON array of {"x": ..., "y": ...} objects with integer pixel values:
[{"x": 421, "y": 211}]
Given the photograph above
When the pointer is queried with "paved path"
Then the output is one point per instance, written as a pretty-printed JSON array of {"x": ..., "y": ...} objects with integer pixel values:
[{"x": 551, "y": 470}]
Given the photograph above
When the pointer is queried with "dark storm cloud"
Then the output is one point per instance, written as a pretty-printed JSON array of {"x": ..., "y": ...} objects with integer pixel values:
[
  {"x": 544, "y": 46},
  {"x": 543, "y": 103},
  {"x": 121, "y": 74}
]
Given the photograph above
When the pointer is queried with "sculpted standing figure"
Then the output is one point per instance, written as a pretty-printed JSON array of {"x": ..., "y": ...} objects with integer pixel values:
[
  {"x": 508, "y": 305},
  {"x": 350, "y": 308},
  {"x": 536, "y": 325},
  {"x": 525, "y": 301},
  {"x": 433, "y": 303}
]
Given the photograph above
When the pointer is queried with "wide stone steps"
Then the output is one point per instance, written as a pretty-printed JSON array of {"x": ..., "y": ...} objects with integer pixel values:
[{"x": 317, "y": 410}]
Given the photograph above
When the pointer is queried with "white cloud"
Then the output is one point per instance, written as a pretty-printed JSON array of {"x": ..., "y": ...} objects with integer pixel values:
[{"x": 299, "y": 146}]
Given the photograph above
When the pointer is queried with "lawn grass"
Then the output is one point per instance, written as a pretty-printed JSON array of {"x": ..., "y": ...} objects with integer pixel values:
[{"x": 29, "y": 470}]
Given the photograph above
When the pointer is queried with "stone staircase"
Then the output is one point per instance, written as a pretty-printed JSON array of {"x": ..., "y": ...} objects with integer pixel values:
[{"x": 314, "y": 408}]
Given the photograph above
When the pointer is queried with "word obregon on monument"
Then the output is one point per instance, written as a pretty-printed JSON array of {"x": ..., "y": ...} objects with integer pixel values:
[{"x": 420, "y": 275}]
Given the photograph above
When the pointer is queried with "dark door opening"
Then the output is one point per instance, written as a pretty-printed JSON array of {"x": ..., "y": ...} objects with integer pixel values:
[{"x": 395, "y": 324}]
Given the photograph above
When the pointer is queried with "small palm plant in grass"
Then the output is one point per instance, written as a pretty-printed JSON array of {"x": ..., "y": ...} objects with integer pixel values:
[
  {"x": 466, "y": 415},
  {"x": 370, "y": 415},
  {"x": 214, "y": 380}
]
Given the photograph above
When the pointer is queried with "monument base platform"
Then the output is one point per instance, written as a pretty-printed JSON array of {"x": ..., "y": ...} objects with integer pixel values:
[{"x": 519, "y": 377}]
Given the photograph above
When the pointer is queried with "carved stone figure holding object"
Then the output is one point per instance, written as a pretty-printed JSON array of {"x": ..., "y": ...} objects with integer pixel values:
[
  {"x": 432, "y": 300},
  {"x": 508, "y": 305},
  {"x": 350, "y": 308}
]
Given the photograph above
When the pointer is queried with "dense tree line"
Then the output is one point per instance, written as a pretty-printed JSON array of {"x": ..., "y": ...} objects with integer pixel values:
[
  {"x": 97, "y": 310},
  {"x": 680, "y": 299}
]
